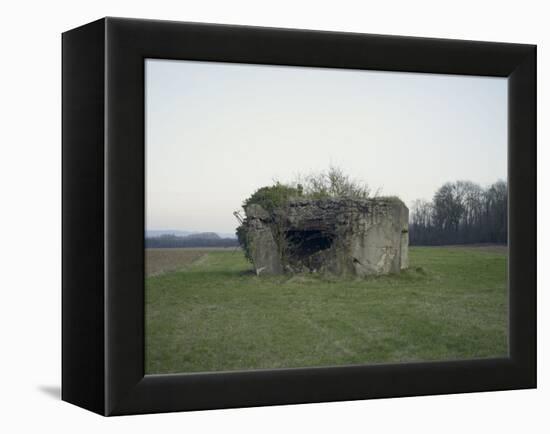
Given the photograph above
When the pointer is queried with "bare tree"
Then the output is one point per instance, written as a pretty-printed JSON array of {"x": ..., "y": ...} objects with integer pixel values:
[
  {"x": 461, "y": 212},
  {"x": 332, "y": 183}
]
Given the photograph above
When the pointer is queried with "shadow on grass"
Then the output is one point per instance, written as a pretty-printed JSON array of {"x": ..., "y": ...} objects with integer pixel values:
[
  {"x": 249, "y": 272},
  {"x": 411, "y": 274}
]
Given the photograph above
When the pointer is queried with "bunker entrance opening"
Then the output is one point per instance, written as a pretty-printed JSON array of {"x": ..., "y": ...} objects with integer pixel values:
[{"x": 303, "y": 244}]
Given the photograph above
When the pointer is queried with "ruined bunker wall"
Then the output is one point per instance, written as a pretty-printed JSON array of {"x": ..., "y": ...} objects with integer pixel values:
[
  {"x": 340, "y": 236},
  {"x": 379, "y": 243}
]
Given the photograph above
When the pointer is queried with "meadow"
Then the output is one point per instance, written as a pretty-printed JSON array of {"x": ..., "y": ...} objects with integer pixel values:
[{"x": 206, "y": 310}]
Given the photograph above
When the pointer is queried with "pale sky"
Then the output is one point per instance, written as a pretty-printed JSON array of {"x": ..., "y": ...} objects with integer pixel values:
[{"x": 216, "y": 132}]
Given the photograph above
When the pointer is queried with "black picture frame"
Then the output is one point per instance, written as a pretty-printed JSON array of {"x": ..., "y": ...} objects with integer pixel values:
[{"x": 103, "y": 215}]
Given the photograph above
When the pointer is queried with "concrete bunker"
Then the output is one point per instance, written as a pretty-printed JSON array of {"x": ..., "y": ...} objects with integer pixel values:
[{"x": 342, "y": 236}]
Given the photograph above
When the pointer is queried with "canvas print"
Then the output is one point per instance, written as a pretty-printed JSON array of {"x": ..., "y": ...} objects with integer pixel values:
[{"x": 307, "y": 217}]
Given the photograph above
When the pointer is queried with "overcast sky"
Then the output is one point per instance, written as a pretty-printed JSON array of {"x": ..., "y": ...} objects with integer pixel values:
[{"x": 215, "y": 132}]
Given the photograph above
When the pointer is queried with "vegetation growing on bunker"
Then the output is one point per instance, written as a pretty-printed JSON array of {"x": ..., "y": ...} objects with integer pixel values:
[{"x": 323, "y": 222}]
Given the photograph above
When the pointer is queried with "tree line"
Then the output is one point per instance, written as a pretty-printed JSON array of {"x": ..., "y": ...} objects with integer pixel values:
[
  {"x": 173, "y": 241},
  {"x": 461, "y": 212}
]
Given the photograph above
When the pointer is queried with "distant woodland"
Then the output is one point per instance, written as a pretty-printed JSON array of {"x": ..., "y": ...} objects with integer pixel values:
[
  {"x": 206, "y": 239},
  {"x": 461, "y": 212}
]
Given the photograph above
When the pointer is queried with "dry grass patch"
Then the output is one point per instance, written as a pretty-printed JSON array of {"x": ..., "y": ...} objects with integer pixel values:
[{"x": 158, "y": 261}]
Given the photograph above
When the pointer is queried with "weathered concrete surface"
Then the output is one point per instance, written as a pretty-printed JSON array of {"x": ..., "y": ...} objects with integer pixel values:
[
  {"x": 263, "y": 249},
  {"x": 335, "y": 235}
]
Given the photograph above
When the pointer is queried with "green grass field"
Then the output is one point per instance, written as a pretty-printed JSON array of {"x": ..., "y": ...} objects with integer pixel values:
[{"x": 215, "y": 314}]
